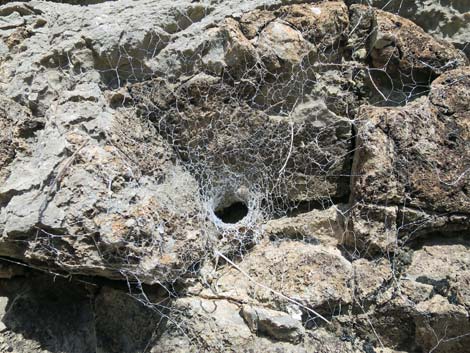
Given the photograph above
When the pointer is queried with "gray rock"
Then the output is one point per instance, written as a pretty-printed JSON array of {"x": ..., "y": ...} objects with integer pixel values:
[
  {"x": 278, "y": 325},
  {"x": 126, "y": 126},
  {"x": 446, "y": 19}
]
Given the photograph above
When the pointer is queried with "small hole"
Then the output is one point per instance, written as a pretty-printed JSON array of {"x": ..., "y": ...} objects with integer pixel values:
[{"x": 233, "y": 213}]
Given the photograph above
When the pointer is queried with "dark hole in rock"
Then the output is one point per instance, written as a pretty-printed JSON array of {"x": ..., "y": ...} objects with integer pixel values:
[{"x": 233, "y": 213}]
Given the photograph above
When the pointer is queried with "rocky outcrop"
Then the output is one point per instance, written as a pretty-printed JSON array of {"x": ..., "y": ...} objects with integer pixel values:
[
  {"x": 233, "y": 176},
  {"x": 448, "y": 19},
  {"x": 413, "y": 159}
]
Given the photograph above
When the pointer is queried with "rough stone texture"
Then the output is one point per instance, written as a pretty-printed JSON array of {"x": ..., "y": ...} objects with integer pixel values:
[
  {"x": 212, "y": 130},
  {"x": 404, "y": 58},
  {"x": 274, "y": 324},
  {"x": 399, "y": 44},
  {"x": 338, "y": 131},
  {"x": 314, "y": 275},
  {"x": 446, "y": 19},
  {"x": 315, "y": 227},
  {"x": 419, "y": 153},
  {"x": 414, "y": 157},
  {"x": 442, "y": 326},
  {"x": 217, "y": 326},
  {"x": 72, "y": 171},
  {"x": 370, "y": 277}
]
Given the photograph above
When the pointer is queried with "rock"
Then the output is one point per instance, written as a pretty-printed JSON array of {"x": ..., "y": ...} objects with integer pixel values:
[
  {"x": 16, "y": 125},
  {"x": 323, "y": 24},
  {"x": 44, "y": 314},
  {"x": 436, "y": 264},
  {"x": 212, "y": 176},
  {"x": 392, "y": 317},
  {"x": 11, "y": 21},
  {"x": 361, "y": 22},
  {"x": 106, "y": 172},
  {"x": 456, "y": 102},
  {"x": 321, "y": 279},
  {"x": 420, "y": 151},
  {"x": 416, "y": 292},
  {"x": 319, "y": 136},
  {"x": 10, "y": 270},
  {"x": 315, "y": 227},
  {"x": 416, "y": 224},
  {"x": 40, "y": 315},
  {"x": 459, "y": 287},
  {"x": 281, "y": 44},
  {"x": 442, "y": 326},
  {"x": 388, "y": 350},
  {"x": 239, "y": 52},
  {"x": 370, "y": 277},
  {"x": 278, "y": 325},
  {"x": 444, "y": 19},
  {"x": 133, "y": 327},
  {"x": 216, "y": 325},
  {"x": 371, "y": 229},
  {"x": 196, "y": 316},
  {"x": 253, "y": 22},
  {"x": 401, "y": 55},
  {"x": 424, "y": 300},
  {"x": 398, "y": 44}
]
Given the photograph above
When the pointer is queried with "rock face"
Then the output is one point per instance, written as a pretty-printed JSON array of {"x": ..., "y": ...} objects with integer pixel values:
[
  {"x": 415, "y": 158},
  {"x": 232, "y": 176},
  {"x": 446, "y": 19}
]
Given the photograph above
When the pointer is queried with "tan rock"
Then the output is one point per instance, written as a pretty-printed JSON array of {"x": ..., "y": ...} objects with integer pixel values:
[
  {"x": 313, "y": 275},
  {"x": 399, "y": 44},
  {"x": 212, "y": 323},
  {"x": 126, "y": 126},
  {"x": 460, "y": 287},
  {"x": 318, "y": 227},
  {"x": 450, "y": 94},
  {"x": 239, "y": 53},
  {"x": 372, "y": 229},
  {"x": 435, "y": 264},
  {"x": 370, "y": 277},
  {"x": 415, "y": 291},
  {"x": 324, "y": 24},
  {"x": 253, "y": 22},
  {"x": 415, "y": 154},
  {"x": 280, "y": 44},
  {"x": 443, "y": 19},
  {"x": 441, "y": 326}
]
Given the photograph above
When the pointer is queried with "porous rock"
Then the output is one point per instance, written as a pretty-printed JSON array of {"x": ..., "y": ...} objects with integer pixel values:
[{"x": 341, "y": 130}]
